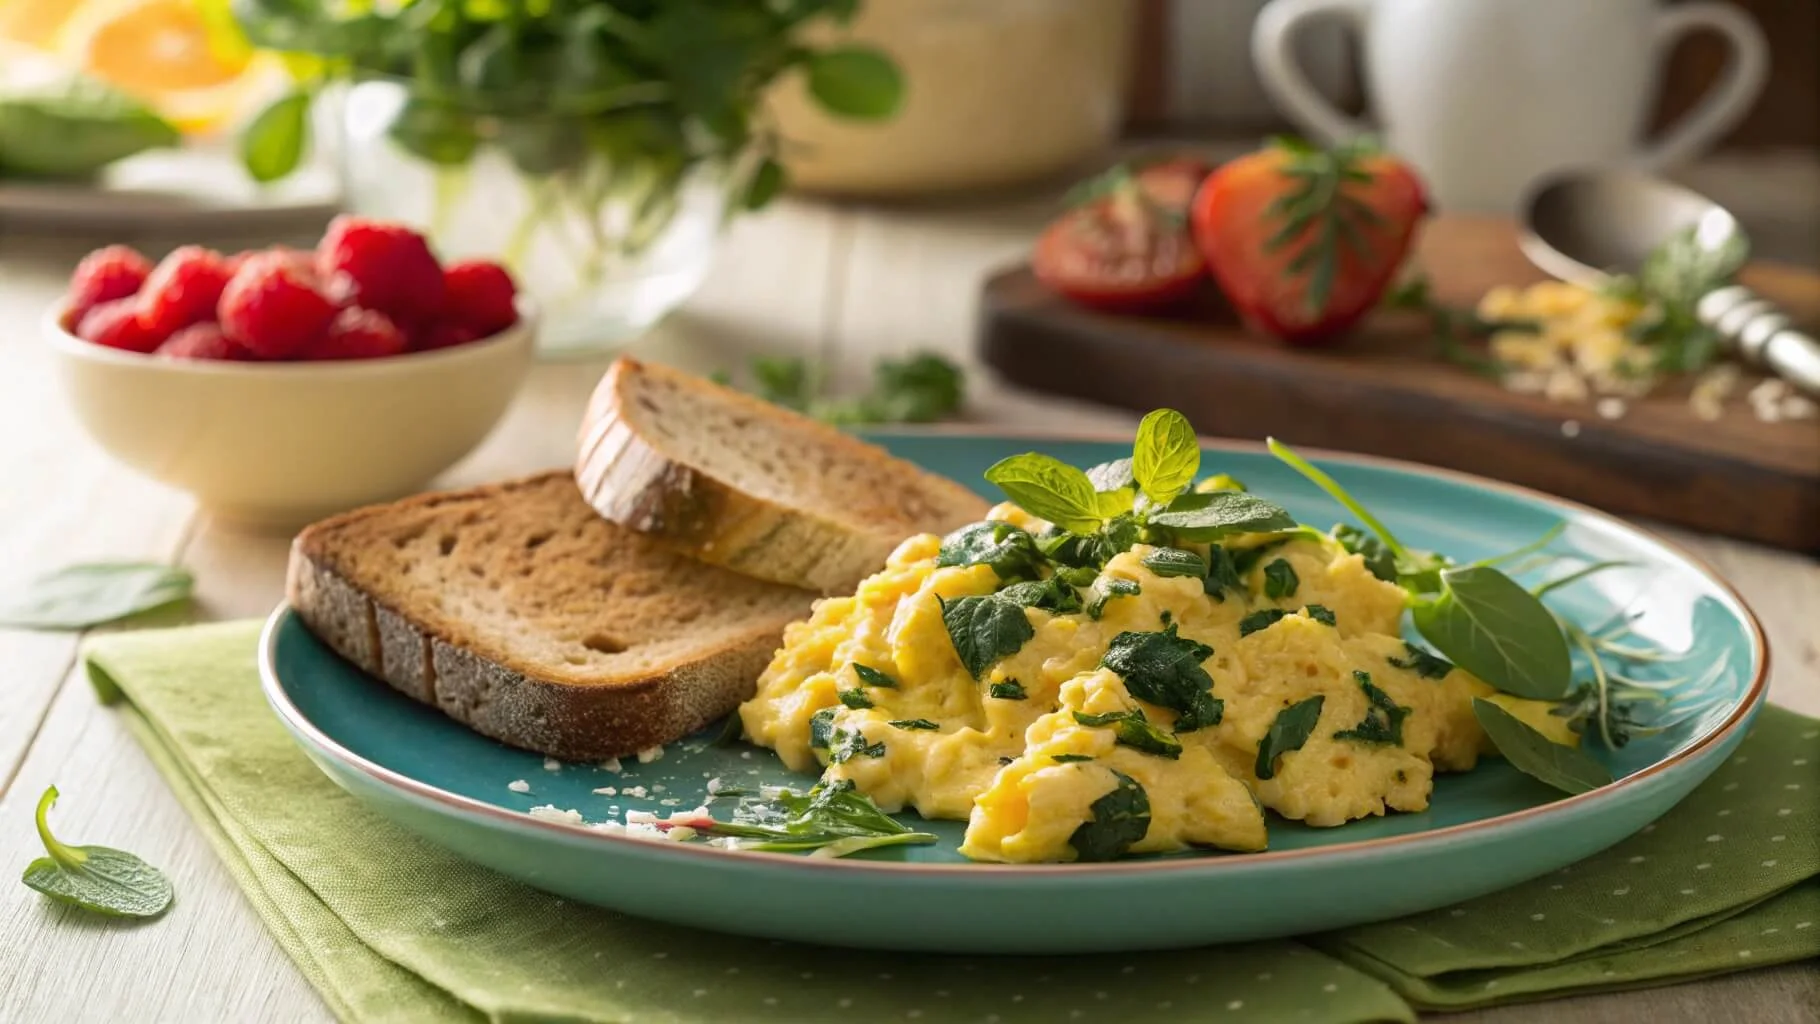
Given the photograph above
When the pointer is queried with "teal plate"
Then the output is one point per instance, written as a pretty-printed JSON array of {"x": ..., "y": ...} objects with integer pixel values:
[{"x": 1485, "y": 830}]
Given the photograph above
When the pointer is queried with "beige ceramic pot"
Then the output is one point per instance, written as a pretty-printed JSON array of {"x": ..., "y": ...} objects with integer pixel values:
[{"x": 997, "y": 92}]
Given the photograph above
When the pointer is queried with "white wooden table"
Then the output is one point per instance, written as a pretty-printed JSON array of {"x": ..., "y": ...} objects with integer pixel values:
[{"x": 842, "y": 283}]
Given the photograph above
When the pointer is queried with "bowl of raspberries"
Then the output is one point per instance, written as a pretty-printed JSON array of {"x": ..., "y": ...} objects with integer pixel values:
[{"x": 281, "y": 385}]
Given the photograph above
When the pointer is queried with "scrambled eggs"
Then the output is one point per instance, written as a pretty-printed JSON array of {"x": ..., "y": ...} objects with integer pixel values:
[{"x": 1135, "y": 723}]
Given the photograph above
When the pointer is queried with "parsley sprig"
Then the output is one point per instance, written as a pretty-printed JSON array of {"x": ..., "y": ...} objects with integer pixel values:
[
  {"x": 921, "y": 388},
  {"x": 1669, "y": 287}
]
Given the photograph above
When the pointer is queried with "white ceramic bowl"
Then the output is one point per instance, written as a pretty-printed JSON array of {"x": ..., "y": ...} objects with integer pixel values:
[{"x": 278, "y": 445}]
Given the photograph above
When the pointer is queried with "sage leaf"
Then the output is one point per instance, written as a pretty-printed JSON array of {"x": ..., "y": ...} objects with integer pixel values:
[
  {"x": 985, "y": 629},
  {"x": 1166, "y": 455},
  {"x": 856, "y": 82},
  {"x": 1049, "y": 488},
  {"x": 1293, "y": 725},
  {"x": 1568, "y": 769},
  {"x": 1421, "y": 662},
  {"x": 1103, "y": 593},
  {"x": 80, "y": 596},
  {"x": 1216, "y": 514},
  {"x": 1486, "y": 623},
  {"x": 97, "y": 878},
  {"x": 1383, "y": 721},
  {"x": 272, "y": 146},
  {"x": 1120, "y": 819},
  {"x": 873, "y": 677}
]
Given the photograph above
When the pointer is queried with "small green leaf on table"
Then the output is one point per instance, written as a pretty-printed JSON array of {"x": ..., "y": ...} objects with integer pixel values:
[
  {"x": 1568, "y": 769},
  {"x": 856, "y": 82},
  {"x": 80, "y": 596},
  {"x": 96, "y": 878},
  {"x": 272, "y": 146}
]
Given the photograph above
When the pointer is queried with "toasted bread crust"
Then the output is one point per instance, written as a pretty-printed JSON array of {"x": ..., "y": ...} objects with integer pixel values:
[
  {"x": 515, "y": 705},
  {"x": 630, "y": 479}
]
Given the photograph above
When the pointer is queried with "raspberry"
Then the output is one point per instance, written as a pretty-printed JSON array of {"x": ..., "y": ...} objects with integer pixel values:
[
  {"x": 202, "y": 341},
  {"x": 273, "y": 308},
  {"x": 479, "y": 296},
  {"x": 441, "y": 335},
  {"x": 103, "y": 276},
  {"x": 116, "y": 324},
  {"x": 358, "y": 334},
  {"x": 183, "y": 290},
  {"x": 382, "y": 266}
]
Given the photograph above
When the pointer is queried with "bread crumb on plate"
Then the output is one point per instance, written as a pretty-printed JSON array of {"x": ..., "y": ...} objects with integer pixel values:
[{"x": 519, "y": 786}]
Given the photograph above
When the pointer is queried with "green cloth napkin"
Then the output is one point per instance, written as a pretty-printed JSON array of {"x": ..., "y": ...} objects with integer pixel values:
[{"x": 390, "y": 928}]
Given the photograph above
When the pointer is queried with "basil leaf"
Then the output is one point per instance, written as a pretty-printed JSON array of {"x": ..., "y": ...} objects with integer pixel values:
[
  {"x": 1380, "y": 560},
  {"x": 1135, "y": 731},
  {"x": 1111, "y": 476},
  {"x": 1049, "y": 489},
  {"x": 1166, "y": 456},
  {"x": 913, "y": 723},
  {"x": 873, "y": 677},
  {"x": 1222, "y": 575},
  {"x": 1052, "y": 594},
  {"x": 97, "y": 878},
  {"x": 1263, "y": 618},
  {"x": 1322, "y": 614},
  {"x": 1486, "y": 623},
  {"x": 73, "y": 127},
  {"x": 1008, "y": 549},
  {"x": 1280, "y": 580},
  {"x": 1293, "y": 725},
  {"x": 855, "y": 699},
  {"x": 1568, "y": 769},
  {"x": 1103, "y": 592},
  {"x": 985, "y": 629},
  {"x": 1383, "y": 721},
  {"x": 1217, "y": 514},
  {"x": 1175, "y": 562},
  {"x": 272, "y": 146},
  {"x": 856, "y": 82},
  {"x": 1421, "y": 662},
  {"x": 80, "y": 596},
  {"x": 1120, "y": 819},
  {"x": 1165, "y": 669},
  {"x": 1010, "y": 689}
]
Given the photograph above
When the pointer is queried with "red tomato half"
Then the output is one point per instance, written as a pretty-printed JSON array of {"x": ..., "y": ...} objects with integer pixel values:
[{"x": 1121, "y": 253}]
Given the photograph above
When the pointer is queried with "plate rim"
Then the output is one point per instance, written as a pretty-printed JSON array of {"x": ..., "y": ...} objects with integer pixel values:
[{"x": 1754, "y": 696}]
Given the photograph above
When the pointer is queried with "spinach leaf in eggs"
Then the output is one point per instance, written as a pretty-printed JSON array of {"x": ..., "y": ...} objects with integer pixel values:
[
  {"x": 1135, "y": 731},
  {"x": 1008, "y": 549},
  {"x": 1293, "y": 725},
  {"x": 1383, "y": 721},
  {"x": 985, "y": 629},
  {"x": 1165, "y": 669},
  {"x": 1120, "y": 819}
]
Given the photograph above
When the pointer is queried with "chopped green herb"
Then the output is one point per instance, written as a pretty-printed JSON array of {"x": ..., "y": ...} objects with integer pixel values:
[
  {"x": 1293, "y": 725},
  {"x": 1175, "y": 562},
  {"x": 1113, "y": 587},
  {"x": 1421, "y": 662},
  {"x": 1321, "y": 614},
  {"x": 1007, "y": 760},
  {"x": 1263, "y": 618},
  {"x": 985, "y": 629},
  {"x": 1165, "y": 669},
  {"x": 821, "y": 728},
  {"x": 1010, "y": 689},
  {"x": 97, "y": 878},
  {"x": 833, "y": 814},
  {"x": 1052, "y": 594},
  {"x": 855, "y": 699},
  {"x": 914, "y": 723},
  {"x": 1383, "y": 722},
  {"x": 1378, "y": 559},
  {"x": 1280, "y": 580},
  {"x": 1063, "y": 758},
  {"x": 1135, "y": 731},
  {"x": 851, "y": 743},
  {"x": 873, "y": 677},
  {"x": 1215, "y": 514},
  {"x": 1222, "y": 575},
  {"x": 1009, "y": 550},
  {"x": 1120, "y": 819},
  {"x": 1246, "y": 559}
]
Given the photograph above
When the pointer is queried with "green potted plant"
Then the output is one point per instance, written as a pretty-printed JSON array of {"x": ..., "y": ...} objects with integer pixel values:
[{"x": 596, "y": 146}]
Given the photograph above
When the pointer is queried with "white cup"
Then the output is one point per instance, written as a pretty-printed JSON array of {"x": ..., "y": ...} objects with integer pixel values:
[{"x": 1485, "y": 96}]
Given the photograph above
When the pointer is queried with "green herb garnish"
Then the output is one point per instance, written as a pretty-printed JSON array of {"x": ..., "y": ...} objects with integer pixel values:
[
  {"x": 1176, "y": 562},
  {"x": 921, "y": 389},
  {"x": 1135, "y": 731},
  {"x": 1063, "y": 758},
  {"x": 97, "y": 878},
  {"x": 1165, "y": 669},
  {"x": 1383, "y": 721},
  {"x": 1262, "y": 619},
  {"x": 1290, "y": 730},
  {"x": 1568, "y": 769},
  {"x": 1120, "y": 819},
  {"x": 1421, "y": 662},
  {"x": 873, "y": 677},
  {"x": 1280, "y": 580},
  {"x": 1320, "y": 216},
  {"x": 985, "y": 629},
  {"x": 1053, "y": 594},
  {"x": 821, "y": 728},
  {"x": 847, "y": 744},
  {"x": 79, "y": 596},
  {"x": 1009, "y": 550},
  {"x": 1010, "y": 689},
  {"x": 832, "y": 814},
  {"x": 1669, "y": 286},
  {"x": 1112, "y": 587},
  {"x": 1321, "y": 614},
  {"x": 1222, "y": 575},
  {"x": 913, "y": 723},
  {"x": 855, "y": 699}
]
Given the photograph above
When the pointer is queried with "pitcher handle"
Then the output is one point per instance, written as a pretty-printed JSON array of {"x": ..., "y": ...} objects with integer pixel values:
[
  {"x": 1729, "y": 98},
  {"x": 1273, "y": 53}
]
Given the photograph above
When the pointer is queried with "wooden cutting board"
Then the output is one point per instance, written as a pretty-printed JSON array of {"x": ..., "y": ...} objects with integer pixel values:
[{"x": 1383, "y": 392}]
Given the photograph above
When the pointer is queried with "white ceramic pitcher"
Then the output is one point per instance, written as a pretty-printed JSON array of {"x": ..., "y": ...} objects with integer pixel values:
[{"x": 1485, "y": 96}]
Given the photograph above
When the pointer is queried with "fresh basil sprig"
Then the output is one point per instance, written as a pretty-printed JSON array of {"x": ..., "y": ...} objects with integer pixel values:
[
  {"x": 79, "y": 596},
  {"x": 97, "y": 878}
]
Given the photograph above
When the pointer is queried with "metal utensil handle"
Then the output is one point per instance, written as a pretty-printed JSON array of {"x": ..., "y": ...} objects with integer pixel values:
[{"x": 1763, "y": 334}]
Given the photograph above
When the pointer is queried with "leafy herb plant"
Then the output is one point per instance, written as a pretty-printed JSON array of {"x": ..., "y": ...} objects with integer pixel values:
[
  {"x": 832, "y": 818},
  {"x": 97, "y": 878}
]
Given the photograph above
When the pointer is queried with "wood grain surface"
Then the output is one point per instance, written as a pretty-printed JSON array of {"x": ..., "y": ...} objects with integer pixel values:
[
  {"x": 1384, "y": 391},
  {"x": 847, "y": 283}
]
